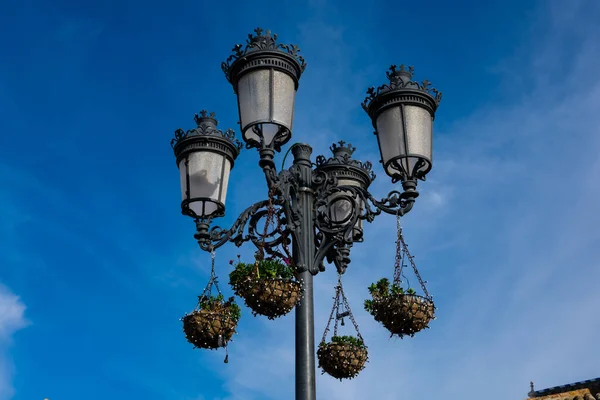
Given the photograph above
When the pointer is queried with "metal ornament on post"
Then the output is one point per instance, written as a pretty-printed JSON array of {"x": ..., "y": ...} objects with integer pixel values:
[{"x": 320, "y": 207}]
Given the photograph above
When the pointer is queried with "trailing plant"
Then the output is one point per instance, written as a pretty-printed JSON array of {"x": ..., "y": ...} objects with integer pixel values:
[
  {"x": 382, "y": 289},
  {"x": 344, "y": 357},
  {"x": 269, "y": 286},
  {"x": 401, "y": 311},
  {"x": 267, "y": 268},
  {"x": 218, "y": 303},
  {"x": 352, "y": 340}
]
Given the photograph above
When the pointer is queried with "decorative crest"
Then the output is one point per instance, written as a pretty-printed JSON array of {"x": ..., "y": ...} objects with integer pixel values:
[
  {"x": 401, "y": 78},
  {"x": 262, "y": 41},
  {"x": 207, "y": 126},
  {"x": 342, "y": 149},
  {"x": 342, "y": 156},
  {"x": 205, "y": 117}
]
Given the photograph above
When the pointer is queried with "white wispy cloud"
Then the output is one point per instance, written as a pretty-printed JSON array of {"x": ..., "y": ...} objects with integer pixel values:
[{"x": 12, "y": 319}]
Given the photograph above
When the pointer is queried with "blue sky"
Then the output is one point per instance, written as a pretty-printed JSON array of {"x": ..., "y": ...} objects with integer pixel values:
[{"x": 97, "y": 264}]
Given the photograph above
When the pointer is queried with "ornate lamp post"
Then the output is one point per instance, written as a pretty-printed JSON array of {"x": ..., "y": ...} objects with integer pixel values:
[{"x": 321, "y": 210}]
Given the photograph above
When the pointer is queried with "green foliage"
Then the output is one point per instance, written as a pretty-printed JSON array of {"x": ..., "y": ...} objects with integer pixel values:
[
  {"x": 215, "y": 303},
  {"x": 369, "y": 306},
  {"x": 397, "y": 290},
  {"x": 346, "y": 340},
  {"x": 382, "y": 289},
  {"x": 268, "y": 268}
]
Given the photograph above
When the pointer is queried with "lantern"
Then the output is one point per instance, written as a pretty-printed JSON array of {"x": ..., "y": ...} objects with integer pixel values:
[
  {"x": 265, "y": 76},
  {"x": 205, "y": 157},
  {"x": 402, "y": 113},
  {"x": 343, "y": 205}
]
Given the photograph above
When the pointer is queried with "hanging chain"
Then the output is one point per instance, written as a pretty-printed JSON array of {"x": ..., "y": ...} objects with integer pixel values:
[
  {"x": 347, "y": 306},
  {"x": 341, "y": 309},
  {"x": 333, "y": 310},
  {"x": 213, "y": 277},
  {"x": 402, "y": 253},
  {"x": 399, "y": 263},
  {"x": 414, "y": 267},
  {"x": 404, "y": 266}
]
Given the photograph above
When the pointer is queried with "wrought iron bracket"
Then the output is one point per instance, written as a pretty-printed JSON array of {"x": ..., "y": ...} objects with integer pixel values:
[{"x": 333, "y": 239}]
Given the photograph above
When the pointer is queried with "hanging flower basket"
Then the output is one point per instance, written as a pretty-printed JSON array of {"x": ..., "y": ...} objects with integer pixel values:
[
  {"x": 401, "y": 312},
  {"x": 213, "y": 323},
  {"x": 268, "y": 287},
  {"x": 343, "y": 358}
]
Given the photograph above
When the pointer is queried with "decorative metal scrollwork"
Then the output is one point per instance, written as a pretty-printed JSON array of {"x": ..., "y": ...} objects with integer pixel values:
[
  {"x": 246, "y": 228},
  {"x": 337, "y": 214}
]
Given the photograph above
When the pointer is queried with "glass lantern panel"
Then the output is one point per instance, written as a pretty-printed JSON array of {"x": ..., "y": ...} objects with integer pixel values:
[
  {"x": 208, "y": 178},
  {"x": 183, "y": 179},
  {"x": 358, "y": 201},
  {"x": 254, "y": 97},
  {"x": 419, "y": 127},
  {"x": 390, "y": 134},
  {"x": 342, "y": 209},
  {"x": 284, "y": 94}
]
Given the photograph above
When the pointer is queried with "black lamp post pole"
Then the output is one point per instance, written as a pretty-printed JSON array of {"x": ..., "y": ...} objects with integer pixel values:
[{"x": 304, "y": 253}]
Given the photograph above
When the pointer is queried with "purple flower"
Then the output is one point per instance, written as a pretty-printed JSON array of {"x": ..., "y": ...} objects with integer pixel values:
[
  {"x": 287, "y": 261},
  {"x": 230, "y": 262}
]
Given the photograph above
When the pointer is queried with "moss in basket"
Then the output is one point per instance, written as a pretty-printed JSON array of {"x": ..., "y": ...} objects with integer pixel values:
[
  {"x": 382, "y": 289},
  {"x": 346, "y": 340},
  {"x": 267, "y": 268},
  {"x": 218, "y": 302}
]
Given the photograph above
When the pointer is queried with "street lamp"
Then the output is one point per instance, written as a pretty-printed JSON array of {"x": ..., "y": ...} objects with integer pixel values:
[{"x": 322, "y": 208}]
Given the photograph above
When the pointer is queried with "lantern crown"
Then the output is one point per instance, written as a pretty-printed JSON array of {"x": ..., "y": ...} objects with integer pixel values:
[
  {"x": 206, "y": 127},
  {"x": 261, "y": 41},
  {"x": 401, "y": 79},
  {"x": 343, "y": 162}
]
